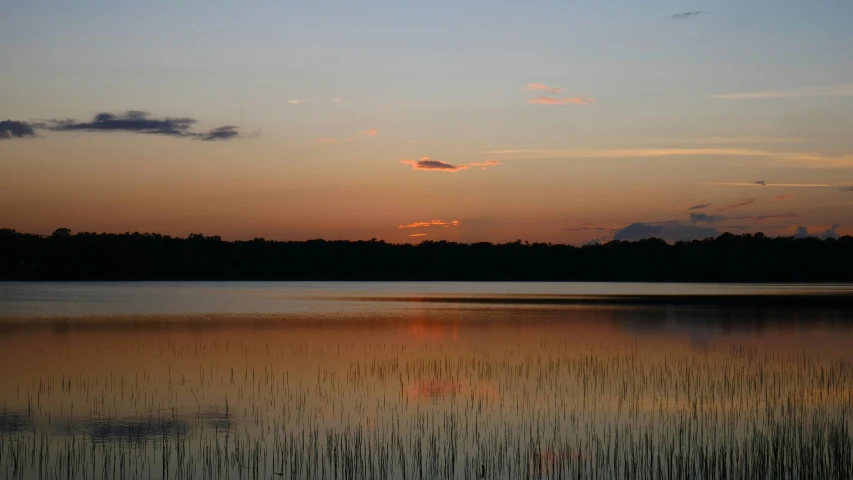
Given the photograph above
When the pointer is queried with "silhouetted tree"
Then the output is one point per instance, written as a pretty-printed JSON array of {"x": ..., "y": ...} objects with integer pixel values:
[{"x": 151, "y": 256}]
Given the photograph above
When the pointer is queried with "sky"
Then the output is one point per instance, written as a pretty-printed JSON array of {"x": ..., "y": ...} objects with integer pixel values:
[{"x": 546, "y": 121}]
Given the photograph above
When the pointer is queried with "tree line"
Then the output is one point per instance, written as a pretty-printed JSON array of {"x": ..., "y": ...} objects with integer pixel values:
[{"x": 150, "y": 256}]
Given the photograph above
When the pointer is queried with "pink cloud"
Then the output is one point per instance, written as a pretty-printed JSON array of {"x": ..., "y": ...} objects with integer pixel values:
[
  {"x": 326, "y": 140},
  {"x": 537, "y": 86},
  {"x": 369, "y": 133},
  {"x": 487, "y": 163},
  {"x": 562, "y": 101},
  {"x": 425, "y": 163},
  {"x": 418, "y": 235},
  {"x": 432, "y": 223}
]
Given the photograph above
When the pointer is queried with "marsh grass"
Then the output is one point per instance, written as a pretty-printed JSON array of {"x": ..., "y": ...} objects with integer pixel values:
[{"x": 433, "y": 410}]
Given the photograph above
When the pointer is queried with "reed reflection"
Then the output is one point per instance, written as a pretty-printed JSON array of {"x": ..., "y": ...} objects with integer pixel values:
[{"x": 463, "y": 392}]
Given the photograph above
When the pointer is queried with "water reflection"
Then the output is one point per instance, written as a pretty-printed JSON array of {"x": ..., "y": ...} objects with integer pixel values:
[
  {"x": 127, "y": 429},
  {"x": 334, "y": 298},
  {"x": 432, "y": 390},
  {"x": 13, "y": 423}
]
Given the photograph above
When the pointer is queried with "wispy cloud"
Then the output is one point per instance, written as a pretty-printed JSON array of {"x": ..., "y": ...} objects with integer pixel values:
[
  {"x": 425, "y": 163},
  {"x": 819, "y": 160},
  {"x": 737, "y": 140},
  {"x": 326, "y": 140},
  {"x": 484, "y": 165},
  {"x": 844, "y": 90},
  {"x": 737, "y": 205},
  {"x": 590, "y": 227},
  {"x": 761, "y": 218},
  {"x": 562, "y": 101},
  {"x": 310, "y": 100},
  {"x": 763, "y": 227},
  {"x": 10, "y": 129},
  {"x": 418, "y": 235},
  {"x": 686, "y": 15},
  {"x": 783, "y": 197},
  {"x": 537, "y": 86},
  {"x": 628, "y": 153},
  {"x": 765, "y": 184},
  {"x": 432, "y": 223},
  {"x": 809, "y": 158},
  {"x": 700, "y": 206},
  {"x": 142, "y": 122},
  {"x": 371, "y": 132}
]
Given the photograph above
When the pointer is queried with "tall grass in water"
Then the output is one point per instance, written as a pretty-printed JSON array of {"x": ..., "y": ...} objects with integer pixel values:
[{"x": 433, "y": 411}]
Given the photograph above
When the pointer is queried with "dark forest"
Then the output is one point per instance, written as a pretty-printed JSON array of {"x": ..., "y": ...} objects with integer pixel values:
[{"x": 147, "y": 256}]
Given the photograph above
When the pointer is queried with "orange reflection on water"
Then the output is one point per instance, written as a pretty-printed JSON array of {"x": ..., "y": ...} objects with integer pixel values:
[
  {"x": 421, "y": 330},
  {"x": 437, "y": 389},
  {"x": 432, "y": 390}
]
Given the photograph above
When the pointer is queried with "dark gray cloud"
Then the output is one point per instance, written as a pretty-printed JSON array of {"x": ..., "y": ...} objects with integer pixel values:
[
  {"x": 704, "y": 218},
  {"x": 435, "y": 165},
  {"x": 802, "y": 232},
  {"x": 425, "y": 163},
  {"x": 760, "y": 182},
  {"x": 847, "y": 189},
  {"x": 671, "y": 230},
  {"x": 142, "y": 122},
  {"x": 222, "y": 133},
  {"x": 637, "y": 231},
  {"x": 700, "y": 206},
  {"x": 10, "y": 129},
  {"x": 686, "y": 15},
  {"x": 831, "y": 233}
]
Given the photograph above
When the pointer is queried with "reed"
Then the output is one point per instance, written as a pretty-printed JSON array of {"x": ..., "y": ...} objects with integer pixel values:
[{"x": 433, "y": 411}]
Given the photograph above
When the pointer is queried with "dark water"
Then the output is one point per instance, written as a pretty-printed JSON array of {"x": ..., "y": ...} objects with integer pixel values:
[
  {"x": 425, "y": 380},
  {"x": 94, "y": 298}
]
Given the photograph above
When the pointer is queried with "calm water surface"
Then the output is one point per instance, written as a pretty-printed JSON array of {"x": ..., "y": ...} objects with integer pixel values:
[
  {"x": 93, "y": 298},
  {"x": 422, "y": 380}
]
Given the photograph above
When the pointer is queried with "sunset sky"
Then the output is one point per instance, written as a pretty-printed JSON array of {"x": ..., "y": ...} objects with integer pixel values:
[{"x": 551, "y": 121}]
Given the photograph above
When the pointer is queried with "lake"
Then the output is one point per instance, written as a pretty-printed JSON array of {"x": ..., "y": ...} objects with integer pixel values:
[{"x": 429, "y": 380}]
